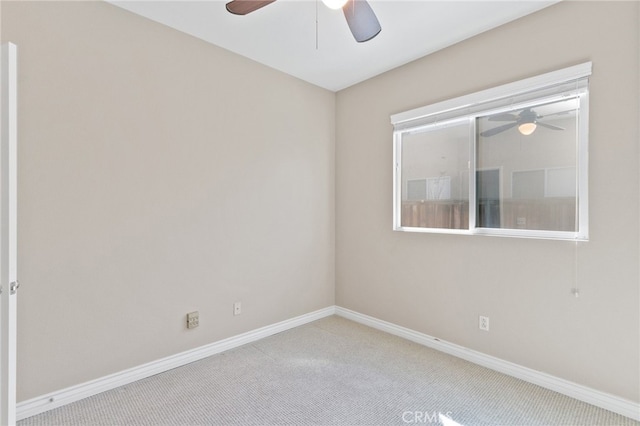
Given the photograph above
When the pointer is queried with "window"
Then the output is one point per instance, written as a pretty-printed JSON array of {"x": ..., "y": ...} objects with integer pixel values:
[
  {"x": 435, "y": 178},
  {"x": 508, "y": 161}
]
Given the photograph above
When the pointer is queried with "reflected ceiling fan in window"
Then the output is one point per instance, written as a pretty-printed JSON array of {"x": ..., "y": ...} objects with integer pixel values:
[
  {"x": 527, "y": 121},
  {"x": 362, "y": 21}
]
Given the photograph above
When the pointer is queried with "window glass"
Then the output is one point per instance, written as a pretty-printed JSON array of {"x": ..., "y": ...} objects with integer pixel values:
[
  {"x": 526, "y": 161},
  {"x": 435, "y": 177}
]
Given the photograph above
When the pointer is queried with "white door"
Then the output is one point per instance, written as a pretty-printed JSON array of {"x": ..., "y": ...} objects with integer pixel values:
[{"x": 8, "y": 233}]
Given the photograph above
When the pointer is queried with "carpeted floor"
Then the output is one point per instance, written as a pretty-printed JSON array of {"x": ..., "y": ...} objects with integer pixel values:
[{"x": 330, "y": 372}]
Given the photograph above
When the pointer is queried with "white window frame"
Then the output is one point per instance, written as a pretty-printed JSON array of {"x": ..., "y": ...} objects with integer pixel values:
[{"x": 564, "y": 83}]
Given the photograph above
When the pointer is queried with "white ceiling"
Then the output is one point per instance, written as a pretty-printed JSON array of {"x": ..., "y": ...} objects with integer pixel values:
[{"x": 282, "y": 35}]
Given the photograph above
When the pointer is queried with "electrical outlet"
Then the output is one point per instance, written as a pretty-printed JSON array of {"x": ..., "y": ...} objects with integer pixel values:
[
  {"x": 237, "y": 308},
  {"x": 193, "y": 319},
  {"x": 483, "y": 323}
]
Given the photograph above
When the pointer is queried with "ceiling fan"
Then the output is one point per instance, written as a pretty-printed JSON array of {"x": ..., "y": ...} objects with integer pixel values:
[
  {"x": 527, "y": 121},
  {"x": 362, "y": 22}
]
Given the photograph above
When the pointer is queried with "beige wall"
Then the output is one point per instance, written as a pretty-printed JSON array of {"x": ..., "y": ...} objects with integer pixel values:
[
  {"x": 158, "y": 175},
  {"x": 439, "y": 284}
]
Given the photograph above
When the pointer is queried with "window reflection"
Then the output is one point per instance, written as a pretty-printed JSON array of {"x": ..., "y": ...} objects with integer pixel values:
[{"x": 526, "y": 179}]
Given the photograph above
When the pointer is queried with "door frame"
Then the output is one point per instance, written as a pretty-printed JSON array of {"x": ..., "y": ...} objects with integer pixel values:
[{"x": 8, "y": 232}]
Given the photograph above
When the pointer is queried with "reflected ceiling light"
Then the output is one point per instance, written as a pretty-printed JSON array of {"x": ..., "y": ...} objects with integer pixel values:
[
  {"x": 527, "y": 128},
  {"x": 334, "y": 4}
]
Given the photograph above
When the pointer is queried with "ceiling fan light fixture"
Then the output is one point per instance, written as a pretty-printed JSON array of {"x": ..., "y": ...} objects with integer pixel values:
[
  {"x": 527, "y": 128},
  {"x": 334, "y": 4},
  {"x": 361, "y": 19}
]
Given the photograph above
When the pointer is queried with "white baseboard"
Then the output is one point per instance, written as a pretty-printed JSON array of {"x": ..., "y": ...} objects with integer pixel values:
[
  {"x": 62, "y": 397},
  {"x": 66, "y": 396},
  {"x": 591, "y": 396}
]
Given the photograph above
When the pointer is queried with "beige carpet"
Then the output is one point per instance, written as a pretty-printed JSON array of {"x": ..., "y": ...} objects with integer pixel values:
[{"x": 330, "y": 372}]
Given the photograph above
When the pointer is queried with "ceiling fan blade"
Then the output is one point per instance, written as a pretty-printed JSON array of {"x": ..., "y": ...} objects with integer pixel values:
[
  {"x": 499, "y": 129},
  {"x": 243, "y": 7},
  {"x": 503, "y": 117},
  {"x": 362, "y": 22},
  {"x": 549, "y": 126}
]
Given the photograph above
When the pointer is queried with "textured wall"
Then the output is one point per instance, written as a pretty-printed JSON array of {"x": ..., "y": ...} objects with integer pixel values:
[
  {"x": 158, "y": 175},
  {"x": 439, "y": 284}
]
